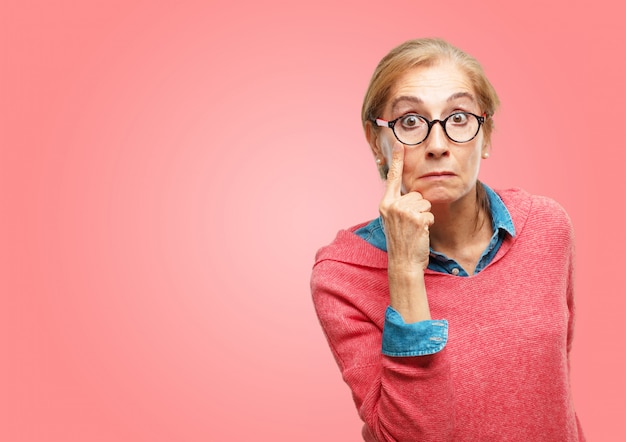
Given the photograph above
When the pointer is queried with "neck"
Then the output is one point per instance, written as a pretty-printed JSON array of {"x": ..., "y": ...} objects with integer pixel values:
[{"x": 459, "y": 224}]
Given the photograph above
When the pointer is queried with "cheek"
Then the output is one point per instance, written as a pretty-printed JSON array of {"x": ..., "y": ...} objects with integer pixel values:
[
  {"x": 412, "y": 158},
  {"x": 473, "y": 162}
]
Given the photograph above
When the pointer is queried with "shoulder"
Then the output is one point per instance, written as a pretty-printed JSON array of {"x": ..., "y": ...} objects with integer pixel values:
[
  {"x": 349, "y": 248},
  {"x": 536, "y": 213},
  {"x": 517, "y": 198},
  {"x": 345, "y": 267}
]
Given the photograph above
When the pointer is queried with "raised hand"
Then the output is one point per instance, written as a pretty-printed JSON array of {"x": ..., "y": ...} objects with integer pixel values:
[{"x": 406, "y": 219}]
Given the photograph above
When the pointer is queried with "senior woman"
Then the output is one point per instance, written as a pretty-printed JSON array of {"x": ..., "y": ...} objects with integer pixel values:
[{"x": 451, "y": 315}]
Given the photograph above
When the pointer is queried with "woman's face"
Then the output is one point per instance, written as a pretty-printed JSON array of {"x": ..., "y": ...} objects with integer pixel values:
[{"x": 442, "y": 170}]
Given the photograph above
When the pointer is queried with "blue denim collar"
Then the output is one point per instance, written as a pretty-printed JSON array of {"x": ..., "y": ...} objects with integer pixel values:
[{"x": 500, "y": 216}]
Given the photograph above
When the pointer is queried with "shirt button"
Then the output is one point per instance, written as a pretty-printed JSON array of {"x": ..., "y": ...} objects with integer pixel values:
[{"x": 455, "y": 271}]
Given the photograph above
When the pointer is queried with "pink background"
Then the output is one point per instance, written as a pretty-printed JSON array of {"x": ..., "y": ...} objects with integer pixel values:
[{"x": 167, "y": 172}]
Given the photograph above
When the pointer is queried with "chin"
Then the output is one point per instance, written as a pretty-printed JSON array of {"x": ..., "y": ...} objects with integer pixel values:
[{"x": 442, "y": 195}]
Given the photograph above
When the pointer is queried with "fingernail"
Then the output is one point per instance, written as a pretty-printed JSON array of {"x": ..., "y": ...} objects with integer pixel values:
[{"x": 397, "y": 147}]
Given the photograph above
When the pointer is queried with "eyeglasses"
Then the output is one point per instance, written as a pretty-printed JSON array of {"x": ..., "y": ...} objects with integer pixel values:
[{"x": 412, "y": 129}]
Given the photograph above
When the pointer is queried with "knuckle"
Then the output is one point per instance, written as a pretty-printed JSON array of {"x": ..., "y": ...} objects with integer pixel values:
[
  {"x": 390, "y": 208},
  {"x": 384, "y": 209}
]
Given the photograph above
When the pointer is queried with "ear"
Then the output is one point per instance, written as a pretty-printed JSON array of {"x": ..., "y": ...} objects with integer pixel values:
[
  {"x": 485, "y": 150},
  {"x": 371, "y": 135}
]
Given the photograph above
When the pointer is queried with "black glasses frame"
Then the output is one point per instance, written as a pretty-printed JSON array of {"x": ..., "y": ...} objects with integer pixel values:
[{"x": 391, "y": 125}]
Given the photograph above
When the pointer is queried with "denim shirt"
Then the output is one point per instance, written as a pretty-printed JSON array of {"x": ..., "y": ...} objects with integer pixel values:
[{"x": 428, "y": 337}]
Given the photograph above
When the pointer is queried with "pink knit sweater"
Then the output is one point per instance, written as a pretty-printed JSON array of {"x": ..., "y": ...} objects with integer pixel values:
[{"x": 504, "y": 373}]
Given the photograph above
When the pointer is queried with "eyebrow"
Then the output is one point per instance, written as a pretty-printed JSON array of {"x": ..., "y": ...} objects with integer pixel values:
[
  {"x": 418, "y": 100},
  {"x": 461, "y": 95}
]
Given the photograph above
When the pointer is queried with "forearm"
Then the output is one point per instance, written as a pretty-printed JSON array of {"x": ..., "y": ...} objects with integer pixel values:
[{"x": 407, "y": 293}]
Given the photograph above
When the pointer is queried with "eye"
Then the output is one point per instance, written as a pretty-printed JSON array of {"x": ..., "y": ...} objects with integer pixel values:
[
  {"x": 412, "y": 121},
  {"x": 458, "y": 119}
]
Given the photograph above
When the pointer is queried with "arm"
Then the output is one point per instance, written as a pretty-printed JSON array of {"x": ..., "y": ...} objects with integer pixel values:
[
  {"x": 571, "y": 306},
  {"x": 399, "y": 398}
]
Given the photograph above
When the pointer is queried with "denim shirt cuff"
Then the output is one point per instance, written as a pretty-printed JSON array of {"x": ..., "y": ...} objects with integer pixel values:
[{"x": 417, "y": 339}]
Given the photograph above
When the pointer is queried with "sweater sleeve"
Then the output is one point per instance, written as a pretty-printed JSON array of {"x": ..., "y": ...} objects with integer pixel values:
[
  {"x": 399, "y": 398},
  {"x": 565, "y": 231},
  {"x": 571, "y": 305},
  {"x": 570, "y": 282}
]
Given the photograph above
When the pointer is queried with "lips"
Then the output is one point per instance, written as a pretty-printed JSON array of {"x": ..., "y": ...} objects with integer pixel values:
[{"x": 442, "y": 174}]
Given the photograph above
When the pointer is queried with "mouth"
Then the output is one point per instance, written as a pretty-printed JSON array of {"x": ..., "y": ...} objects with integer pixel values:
[{"x": 441, "y": 174}]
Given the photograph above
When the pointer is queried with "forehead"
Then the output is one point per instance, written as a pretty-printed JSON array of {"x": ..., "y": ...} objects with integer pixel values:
[{"x": 433, "y": 86}]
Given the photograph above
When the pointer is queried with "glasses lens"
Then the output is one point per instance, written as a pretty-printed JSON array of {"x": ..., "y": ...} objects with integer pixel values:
[
  {"x": 411, "y": 129},
  {"x": 462, "y": 127}
]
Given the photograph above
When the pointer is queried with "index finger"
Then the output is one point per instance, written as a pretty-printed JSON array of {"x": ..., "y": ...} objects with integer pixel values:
[{"x": 394, "y": 176}]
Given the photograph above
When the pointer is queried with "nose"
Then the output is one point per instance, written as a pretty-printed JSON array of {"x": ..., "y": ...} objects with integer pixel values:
[{"x": 437, "y": 142}]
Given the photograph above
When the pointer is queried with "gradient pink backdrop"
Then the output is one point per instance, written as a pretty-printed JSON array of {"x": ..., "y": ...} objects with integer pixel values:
[{"x": 168, "y": 170}]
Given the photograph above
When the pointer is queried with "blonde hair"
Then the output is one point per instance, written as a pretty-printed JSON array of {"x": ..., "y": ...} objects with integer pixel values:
[{"x": 425, "y": 52}]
